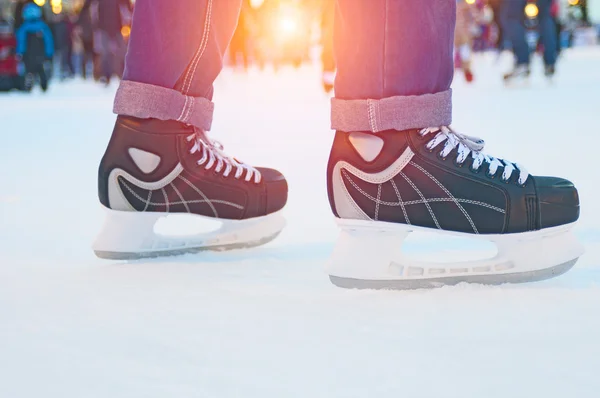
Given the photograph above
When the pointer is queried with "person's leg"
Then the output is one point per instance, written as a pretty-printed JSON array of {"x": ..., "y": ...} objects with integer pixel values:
[
  {"x": 29, "y": 73},
  {"x": 404, "y": 54},
  {"x": 118, "y": 59},
  {"x": 83, "y": 61},
  {"x": 175, "y": 53},
  {"x": 559, "y": 29},
  {"x": 499, "y": 28},
  {"x": 514, "y": 21},
  {"x": 68, "y": 70},
  {"x": 105, "y": 55},
  {"x": 160, "y": 160},
  {"x": 396, "y": 166},
  {"x": 43, "y": 77},
  {"x": 71, "y": 59},
  {"x": 547, "y": 29},
  {"x": 88, "y": 57}
]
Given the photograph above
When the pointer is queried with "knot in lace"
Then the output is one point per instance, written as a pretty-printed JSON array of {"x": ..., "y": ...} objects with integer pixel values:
[
  {"x": 214, "y": 156},
  {"x": 468, "y": 145}
]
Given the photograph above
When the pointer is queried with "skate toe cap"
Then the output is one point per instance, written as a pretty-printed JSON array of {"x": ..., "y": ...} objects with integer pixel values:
[
  {"x": 558, "y": 201},
  {"x": 276, "y": 189}
]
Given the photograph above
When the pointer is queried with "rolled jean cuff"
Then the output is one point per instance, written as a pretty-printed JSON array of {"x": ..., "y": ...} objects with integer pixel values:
[
  {"x": 392, "y": 113},
  {"x": 148, "y": 101}
]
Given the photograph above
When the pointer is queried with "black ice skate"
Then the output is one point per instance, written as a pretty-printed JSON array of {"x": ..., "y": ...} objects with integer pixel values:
[
  {"x": 152, "y": 168},
  {"x": 384, "y": 186}
]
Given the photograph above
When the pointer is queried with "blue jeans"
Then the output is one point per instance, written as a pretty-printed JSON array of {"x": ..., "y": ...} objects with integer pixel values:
[
  {"x": 394, "y": 61},
  {"x": 514, "y": 24},
  {"x": 547, "y": 28}
]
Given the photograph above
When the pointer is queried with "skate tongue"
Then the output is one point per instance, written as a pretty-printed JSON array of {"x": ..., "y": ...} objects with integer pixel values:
[
  {"x": 473, "y": 143},
  {"x": 213, "y": 144},
  {"x": 200, "y": 134},
  {"x": 216, "y": 153}
]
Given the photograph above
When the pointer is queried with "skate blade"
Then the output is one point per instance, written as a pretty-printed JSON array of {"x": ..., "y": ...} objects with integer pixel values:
[
  {"x": 431, "y": 283},
  {"x": 368, "y": 255},
  {"x": 131, "y": 236},
  {"x": 107, "y": 255}
]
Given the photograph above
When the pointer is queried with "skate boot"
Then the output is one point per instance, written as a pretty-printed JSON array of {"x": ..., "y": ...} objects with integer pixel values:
[
  {"x": 384, "y": 186},
  {"x": 519, "y": 73},
  {"x": 153, "y": 168}
]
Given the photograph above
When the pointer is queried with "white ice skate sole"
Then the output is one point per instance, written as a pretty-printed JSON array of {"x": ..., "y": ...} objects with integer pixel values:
[
  {"x": 368, "y": 256},
  {"x": 129, "y": 235}
]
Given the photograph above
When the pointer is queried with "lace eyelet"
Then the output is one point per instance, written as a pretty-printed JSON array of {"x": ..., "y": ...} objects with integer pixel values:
[
  {"x": 489, "y": 175},
  {"x": 475, "y": 170},
  {"x": 441, "y": 157},
  {"x": 457, "y": 164}
]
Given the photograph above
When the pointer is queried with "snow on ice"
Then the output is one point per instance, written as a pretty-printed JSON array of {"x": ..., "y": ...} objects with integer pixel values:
[{"x": 267, "y": 322}]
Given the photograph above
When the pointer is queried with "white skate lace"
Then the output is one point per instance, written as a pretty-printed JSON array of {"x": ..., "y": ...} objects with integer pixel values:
[
  {"x": 474, "y": 146},
  {"x": 212, "y": 154}
]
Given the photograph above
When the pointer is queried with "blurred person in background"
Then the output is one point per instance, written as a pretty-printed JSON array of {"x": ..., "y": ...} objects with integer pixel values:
[
  {"x": 496, "y": 6},
  {"x": 485, "y": 33},
  {"x": 35, "y": 46},
  {"x": 466, "y": 24},
  {"x": 585, "y": 14},
  {"x": 84, "y": 35},
  {"x": 62, "y": 30},
  {"x": 109, "y": 18},
  {"x": 514, "y": 19},
  {"x": 79, "y": 64},
  {"x": 556, "y": 13}
]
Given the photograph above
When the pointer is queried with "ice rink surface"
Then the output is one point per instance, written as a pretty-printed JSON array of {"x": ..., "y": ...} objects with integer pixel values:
[{"x": 267, "y": 322}]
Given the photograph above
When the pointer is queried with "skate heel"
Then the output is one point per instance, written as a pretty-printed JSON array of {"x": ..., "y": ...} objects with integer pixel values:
[
  {"x": 368, "y": 255},
  {"x": 125, "y": 233},
  {"x": 363, "y": 252},
  {"x": 128, "y": 235}
]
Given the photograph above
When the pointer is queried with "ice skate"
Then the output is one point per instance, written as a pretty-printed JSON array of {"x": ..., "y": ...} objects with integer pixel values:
[
  {"x": 384, "y": 186},
  {"x": 549, "y": 72},
  {"x": 154, "y": 168},
  {"x": 520, "y": 74}
]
